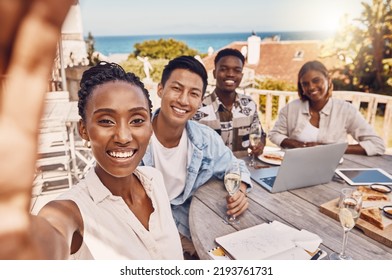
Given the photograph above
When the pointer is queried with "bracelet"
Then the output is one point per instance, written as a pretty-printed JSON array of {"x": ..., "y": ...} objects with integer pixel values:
[{"x": 246, "y": 195}]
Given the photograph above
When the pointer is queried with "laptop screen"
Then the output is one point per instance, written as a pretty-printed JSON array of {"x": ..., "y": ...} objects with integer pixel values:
[{"x": 302, "y": 167}]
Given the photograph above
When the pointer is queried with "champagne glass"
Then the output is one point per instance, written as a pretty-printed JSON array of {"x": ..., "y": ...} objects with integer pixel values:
[
  {"x": 232, "y": 182},
  {"x": 350, "y": 204},
  {"x": 254, "y": 140}
]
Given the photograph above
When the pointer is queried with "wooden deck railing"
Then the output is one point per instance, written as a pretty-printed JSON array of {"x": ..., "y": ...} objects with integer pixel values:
[{"x": 372, "y": 102}]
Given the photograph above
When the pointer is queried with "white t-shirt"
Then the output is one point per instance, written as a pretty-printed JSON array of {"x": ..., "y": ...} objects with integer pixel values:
[{"x": 172, "y": 162}]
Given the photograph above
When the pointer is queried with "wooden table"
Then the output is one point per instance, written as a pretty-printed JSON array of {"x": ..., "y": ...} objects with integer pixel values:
[{"x": 298, "y": 208}]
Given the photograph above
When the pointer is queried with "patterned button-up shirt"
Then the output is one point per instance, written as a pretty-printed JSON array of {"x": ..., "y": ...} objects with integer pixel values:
[{"x": 233, "y": 126}]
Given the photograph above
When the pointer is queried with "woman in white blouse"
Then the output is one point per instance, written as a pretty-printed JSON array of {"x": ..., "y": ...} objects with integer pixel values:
[
  {"x": 120, "y": 210},
  {"x": 316, "y": 118}
]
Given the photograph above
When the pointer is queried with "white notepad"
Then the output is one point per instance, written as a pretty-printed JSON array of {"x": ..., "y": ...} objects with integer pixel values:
[{"x": 270, "y": 241}]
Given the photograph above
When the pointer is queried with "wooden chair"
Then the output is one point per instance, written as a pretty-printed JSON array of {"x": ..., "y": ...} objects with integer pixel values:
[
  {"x": 53, "y": 164},
  {"x": 86, "y": 160}
]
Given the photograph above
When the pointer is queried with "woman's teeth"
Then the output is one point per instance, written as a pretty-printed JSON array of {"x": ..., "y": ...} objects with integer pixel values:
[{"x": 121, "y": 154}]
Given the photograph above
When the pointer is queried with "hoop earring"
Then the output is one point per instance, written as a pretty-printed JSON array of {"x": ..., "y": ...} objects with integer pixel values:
[{"x": 87, "y": 144}]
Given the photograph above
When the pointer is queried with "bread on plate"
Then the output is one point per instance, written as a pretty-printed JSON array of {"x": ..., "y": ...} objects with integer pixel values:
[
  {"x": 373, "y": 216},
  {"x": 273, "y": 156},
  {"x": 372, "y": 195}
]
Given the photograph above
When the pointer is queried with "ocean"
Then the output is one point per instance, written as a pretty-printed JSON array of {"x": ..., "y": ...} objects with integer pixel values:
[{"x": 109, "y": 45}]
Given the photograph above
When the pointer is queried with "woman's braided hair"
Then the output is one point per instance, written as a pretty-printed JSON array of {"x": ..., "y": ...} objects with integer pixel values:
[{"x": 102, "y": 73}]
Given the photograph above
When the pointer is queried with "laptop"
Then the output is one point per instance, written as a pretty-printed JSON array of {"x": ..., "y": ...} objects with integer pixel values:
[{"x": 302, "y": 167}]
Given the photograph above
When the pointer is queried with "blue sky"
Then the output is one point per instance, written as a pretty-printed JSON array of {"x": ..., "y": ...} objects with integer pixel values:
[{"x": 148, "y": 17}]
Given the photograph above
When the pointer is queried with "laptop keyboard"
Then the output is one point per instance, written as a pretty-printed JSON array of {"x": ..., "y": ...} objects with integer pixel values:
[{"x": 269, "y": 180}]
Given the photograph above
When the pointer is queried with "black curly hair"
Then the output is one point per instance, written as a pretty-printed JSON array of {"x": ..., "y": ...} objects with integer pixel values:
[
  {"x": 102, "y": 73},
  {"x": 229, "y": 52}
]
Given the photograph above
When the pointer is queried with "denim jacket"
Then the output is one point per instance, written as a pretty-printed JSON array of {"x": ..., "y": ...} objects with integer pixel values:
[{"x": 207, "y": 157}]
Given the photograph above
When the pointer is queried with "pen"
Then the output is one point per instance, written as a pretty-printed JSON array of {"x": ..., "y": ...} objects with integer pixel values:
[{"x": 317, "y": 255}]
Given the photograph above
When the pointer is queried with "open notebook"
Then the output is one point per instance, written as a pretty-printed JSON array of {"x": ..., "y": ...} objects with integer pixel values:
[{"x": 273, "y": 241}]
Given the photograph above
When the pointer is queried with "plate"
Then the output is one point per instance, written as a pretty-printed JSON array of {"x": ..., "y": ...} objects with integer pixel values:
[
  {"x": 272, "y": 161},
  {"x": 381, "y": 188},
  {"x": 387, "y": 211}
]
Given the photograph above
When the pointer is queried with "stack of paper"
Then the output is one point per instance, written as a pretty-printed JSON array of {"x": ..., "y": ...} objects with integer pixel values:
[{"x": 270, "y": 241}]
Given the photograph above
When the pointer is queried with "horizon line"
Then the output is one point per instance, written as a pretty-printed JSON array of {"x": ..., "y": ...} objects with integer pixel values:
[{"x": 208, "y": 33}]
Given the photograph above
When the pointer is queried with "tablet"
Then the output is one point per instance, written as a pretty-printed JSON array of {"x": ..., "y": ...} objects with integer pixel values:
[{"x": 364, "y": 176}]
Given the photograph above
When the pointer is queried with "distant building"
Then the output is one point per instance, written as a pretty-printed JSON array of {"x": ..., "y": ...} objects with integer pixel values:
[
  {"x": 71, "y": 56},
  {"x": 253, "y": 49},
  {"x": 74, "y": 46},
  {"x": 277, "y": 60}
]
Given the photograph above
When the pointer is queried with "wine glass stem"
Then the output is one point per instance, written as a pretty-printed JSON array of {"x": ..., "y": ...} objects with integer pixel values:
[
  {"x": 345, "y": 238},
  {"x": 251, "y": 163}
]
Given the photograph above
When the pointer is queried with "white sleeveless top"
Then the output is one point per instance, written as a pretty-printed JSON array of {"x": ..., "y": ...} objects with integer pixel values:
[
  {"x": 308, "y": 134},
  {"x": 112, "y": 231},
  {"x": 174, "y": 162}
]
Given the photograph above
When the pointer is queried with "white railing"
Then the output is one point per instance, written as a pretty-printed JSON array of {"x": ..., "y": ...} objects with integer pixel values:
[{"x": 373, "y": 101}]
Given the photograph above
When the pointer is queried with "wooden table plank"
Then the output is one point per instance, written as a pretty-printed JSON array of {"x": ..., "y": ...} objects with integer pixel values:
[{"x": 384, "y": 161}]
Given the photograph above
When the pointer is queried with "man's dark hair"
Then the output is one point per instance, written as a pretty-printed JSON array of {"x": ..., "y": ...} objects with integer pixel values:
[
  {"x": 229, "y": 52},
  {"x": 185, "y": 62},
  {"x": 102, "y": 73}
]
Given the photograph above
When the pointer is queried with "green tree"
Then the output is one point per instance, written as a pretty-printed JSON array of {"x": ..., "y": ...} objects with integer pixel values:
[
  {"x": 162, "y": 49},
  {"x": 366, "y": 49},
  {"x": 90, "y": 41},
  {"x": 136, "y": 66}
]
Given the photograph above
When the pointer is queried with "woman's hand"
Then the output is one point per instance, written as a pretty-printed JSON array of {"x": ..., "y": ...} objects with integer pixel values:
[
  {"x": 28, "y": 40},
  {"x": 291, "y": 143}
]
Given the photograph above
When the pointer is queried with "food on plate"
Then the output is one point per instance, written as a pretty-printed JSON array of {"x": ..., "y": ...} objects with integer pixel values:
[
  {"x": 373, "y": 216},
  {"x": 388, "y": 211},
  {"x": 372, "y": 195},
  {"x": 273, "y": 156},
  {"x": 381, "y": 188}
]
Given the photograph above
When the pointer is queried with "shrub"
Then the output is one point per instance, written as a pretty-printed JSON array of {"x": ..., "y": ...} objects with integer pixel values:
[
  {"x": 136, "y": 66},
  {"x": 162, "y": 49},
  {"x": 270, "y": 84}
]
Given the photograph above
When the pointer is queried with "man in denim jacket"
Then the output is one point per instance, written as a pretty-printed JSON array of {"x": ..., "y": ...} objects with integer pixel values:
[{"x": 188, "y": 153}]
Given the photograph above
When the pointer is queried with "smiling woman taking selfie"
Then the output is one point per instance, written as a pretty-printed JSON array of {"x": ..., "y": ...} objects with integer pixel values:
[
  {"x": 317, "y": 118},
  {"x": 120, "y": 210}
]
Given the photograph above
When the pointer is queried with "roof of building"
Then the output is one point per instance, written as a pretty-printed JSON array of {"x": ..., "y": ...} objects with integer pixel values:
[{"x": 280, "y": 60}]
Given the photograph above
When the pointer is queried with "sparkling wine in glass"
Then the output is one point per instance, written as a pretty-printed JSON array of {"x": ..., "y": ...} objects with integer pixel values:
[
  {"x": 254, "y": 140},
  {"x": 350, "y": 204},
  {"x": 232, "y": 183}
]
